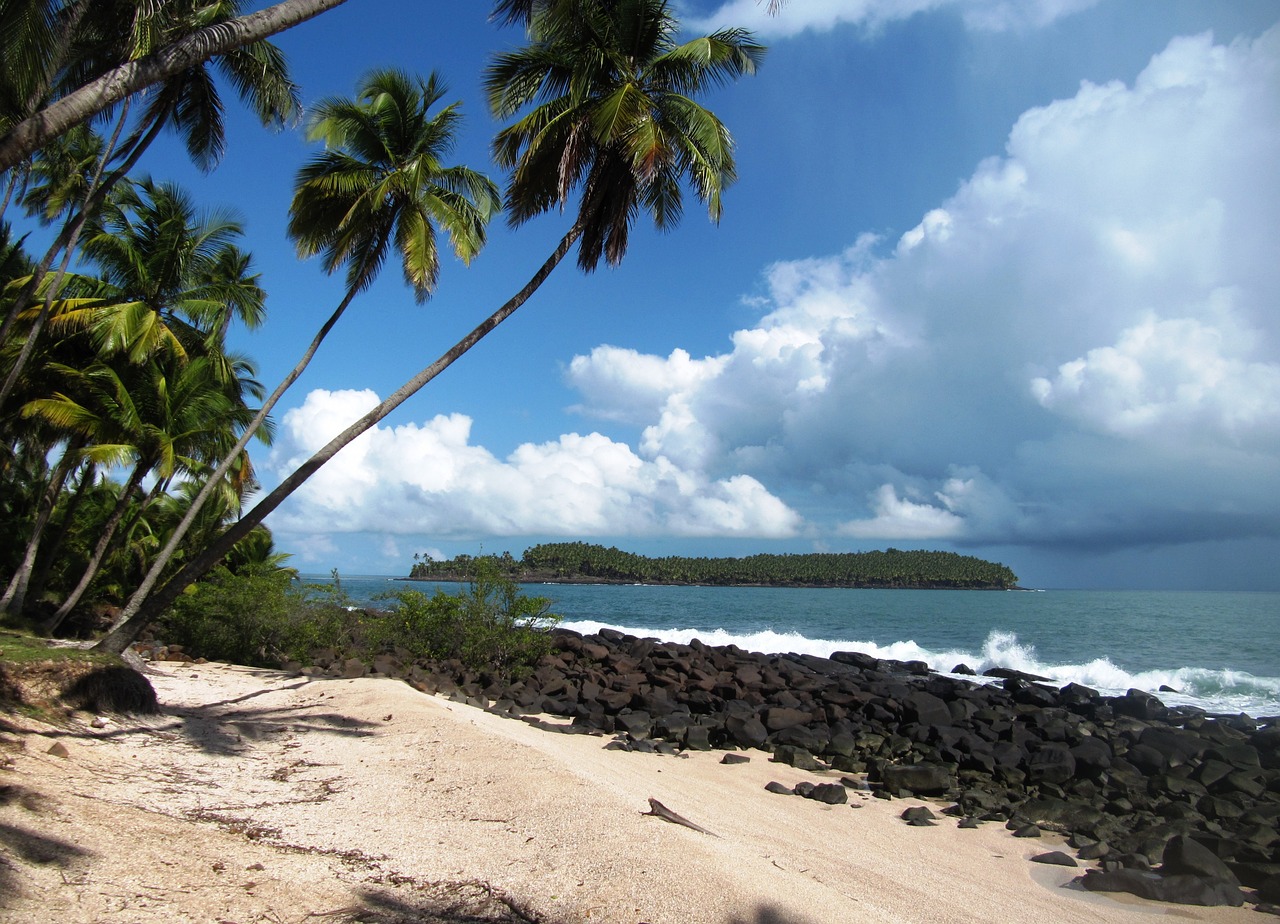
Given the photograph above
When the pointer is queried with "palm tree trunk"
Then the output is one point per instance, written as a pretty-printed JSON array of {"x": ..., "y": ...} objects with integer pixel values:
[
  {"x": 51, "y": 546},
  {"x": 179, "y": 532},
  {"x": 100, "y": 548},
  {"x": 75, "y": 107},
  {"x": 144, "y": 607},
  {"x": 66, "y": 243},
  {"x": 14, "y": 599}
]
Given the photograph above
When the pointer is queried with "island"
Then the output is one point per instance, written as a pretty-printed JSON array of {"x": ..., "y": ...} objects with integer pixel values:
[{"x": 581, "y": 563}]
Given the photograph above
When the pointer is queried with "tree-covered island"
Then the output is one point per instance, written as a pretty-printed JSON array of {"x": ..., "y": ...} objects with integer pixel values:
[{"x": 581, "y": 562}]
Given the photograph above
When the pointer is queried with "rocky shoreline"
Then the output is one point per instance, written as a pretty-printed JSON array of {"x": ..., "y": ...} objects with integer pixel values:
[{"x": 1169, "y": 803}]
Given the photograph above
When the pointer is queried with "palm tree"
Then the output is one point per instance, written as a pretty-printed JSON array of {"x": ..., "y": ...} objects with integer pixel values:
[
  {"x": 165, "y": 287},
  {"x": 27, "y": 133},
  {"x": 161, "y": 418},
  {"x": 380, "y": 184},
  {"x": 105, "y": 34},
  {"x": 614, "y": 116}
]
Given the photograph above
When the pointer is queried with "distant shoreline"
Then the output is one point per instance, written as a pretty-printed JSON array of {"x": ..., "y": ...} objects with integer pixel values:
[{"x": 623, "y": 582}]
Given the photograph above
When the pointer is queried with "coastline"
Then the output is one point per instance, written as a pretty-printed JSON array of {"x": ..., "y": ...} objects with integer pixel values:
[
  {"x": 553, "y": 580},
  {"x": 265, "y": 795}
]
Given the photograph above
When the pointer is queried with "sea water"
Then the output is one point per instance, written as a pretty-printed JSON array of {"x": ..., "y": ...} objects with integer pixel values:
[{"x": 1219, "y": 650}]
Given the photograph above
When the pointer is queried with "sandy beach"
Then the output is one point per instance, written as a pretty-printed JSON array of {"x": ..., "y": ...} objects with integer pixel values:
[{"x": 265, "y": 796}]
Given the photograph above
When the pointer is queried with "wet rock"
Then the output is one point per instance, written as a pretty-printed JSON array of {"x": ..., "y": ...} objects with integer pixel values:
[{"x": 1055, "y": 858}]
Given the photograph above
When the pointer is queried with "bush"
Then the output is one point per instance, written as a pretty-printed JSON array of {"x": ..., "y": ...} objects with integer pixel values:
[
  {"x": 265, "y": 619},
  {"x": 490, "y": 625},
  {"x": 257, "y": 618}
]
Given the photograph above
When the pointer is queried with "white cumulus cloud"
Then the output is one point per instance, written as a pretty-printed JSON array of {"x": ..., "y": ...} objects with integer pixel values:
[
  {"x": 796, "y": 16},
  {"x": 430, "y": 479},
  {"x": 1082, "y": 341}
]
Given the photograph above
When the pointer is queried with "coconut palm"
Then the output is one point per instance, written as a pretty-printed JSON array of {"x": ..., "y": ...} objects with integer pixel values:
[
  {"x": 106, "y": 33},
  {"x": 159, "y": 418},
  {"x": 613, "y": 117},
  {"x": 169, "y": 275},
  {"x": 380, "y": 186},
  {"x": 78, "y": 103}
]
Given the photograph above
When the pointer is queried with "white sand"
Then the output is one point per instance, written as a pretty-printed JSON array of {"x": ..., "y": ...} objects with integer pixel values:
[{"x": 262, "y": 796}]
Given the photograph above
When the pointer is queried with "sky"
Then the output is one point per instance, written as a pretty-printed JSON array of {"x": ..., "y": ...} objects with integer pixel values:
[{"x": 997, "y": 277}]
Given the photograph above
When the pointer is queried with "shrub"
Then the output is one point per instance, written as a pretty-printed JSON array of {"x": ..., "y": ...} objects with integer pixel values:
[
  {"x": 490, "y": 625},
  {"x": 258, "y": 618}
]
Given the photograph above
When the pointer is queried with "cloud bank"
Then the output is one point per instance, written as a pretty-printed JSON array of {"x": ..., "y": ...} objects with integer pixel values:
[
  {"x": 430, "y": 479},
  {"x": 798, "y": 16},
  {"x": 1079, "y": 348}
]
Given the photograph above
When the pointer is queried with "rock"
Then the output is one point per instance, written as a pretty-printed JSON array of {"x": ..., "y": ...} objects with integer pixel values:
[
  {"x": 735, "y": 759},
  {"x": 830, "y": 793},
  {"x": 779, "y": 788},
  {"x": 1269, "y": 891},
  {"x": 780, "y": 717},
  {"x": 921, "y": 779},
  {"x": 1180, "y": 889},
  {"x": 796, "y": 757},
  {"x": 1093, "y": 851},
  {"x": 58, "y": 749},
  {"x": 1027, "y": 831},
  {"x": 1055, "y": 858},
  {"x": 1185, "y": 855},
  {"x": 919, "y": 816},
  {"x": 1053, "y": 763}
]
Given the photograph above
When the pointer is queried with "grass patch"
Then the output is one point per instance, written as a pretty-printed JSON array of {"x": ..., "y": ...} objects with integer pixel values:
[{"x": 46, "y": 681}]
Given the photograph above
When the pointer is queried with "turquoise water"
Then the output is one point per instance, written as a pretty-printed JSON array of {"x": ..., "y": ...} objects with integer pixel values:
[{"x": 1220, "y": 650}]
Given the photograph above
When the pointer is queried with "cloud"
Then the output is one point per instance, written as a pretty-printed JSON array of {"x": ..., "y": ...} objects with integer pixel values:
[
  {"x": 796, "y": 16},
  {"x": 1079, "y": 346},
  {"x": 430, "y": 479}
]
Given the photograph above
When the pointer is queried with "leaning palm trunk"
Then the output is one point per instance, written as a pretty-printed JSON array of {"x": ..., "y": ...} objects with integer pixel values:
[
  {"x": 27, "y": 136},
  {"x": 145, "y": 606},
  {"x": 51, "y": 546},
  {"x": 211, "y": 483},
  {"x": 95, "y": 195},
  {"x": 100, "y": 548},
  {"x": 15, "y": 595}
]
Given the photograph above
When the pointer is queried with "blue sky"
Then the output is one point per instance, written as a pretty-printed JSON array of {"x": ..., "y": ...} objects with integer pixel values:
[{"x": 997, "y": 277}]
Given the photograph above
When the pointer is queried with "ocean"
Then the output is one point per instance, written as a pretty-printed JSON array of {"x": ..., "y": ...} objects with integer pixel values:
[{"x": 1219, "y": 650}]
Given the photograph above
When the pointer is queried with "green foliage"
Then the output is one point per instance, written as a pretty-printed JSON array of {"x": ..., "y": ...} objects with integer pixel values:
[
  {"x": 490, "y": 625},
  {"x": 258, "y": 618},
  {"x": 264, "y": 618},
  {"x": 581, "y": 561}
]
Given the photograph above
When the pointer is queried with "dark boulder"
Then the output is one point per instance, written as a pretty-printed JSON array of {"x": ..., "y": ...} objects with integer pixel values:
[
  {"x": 919, "y": 816},
  {"x": 1180, "y": 889},
  {"x": 830, "y": 793},
  {"x": 1055, "y": 858},
  {"x": 1186, "y": 855},
  {"x": 921, "y": 779}
]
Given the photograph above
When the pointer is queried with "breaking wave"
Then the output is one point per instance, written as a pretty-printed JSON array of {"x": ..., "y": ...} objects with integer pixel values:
[{"x": 1217, "y": 691}]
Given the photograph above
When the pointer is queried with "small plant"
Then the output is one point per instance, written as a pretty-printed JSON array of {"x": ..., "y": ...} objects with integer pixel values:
[
  {"x": 258, "y": 618},
  {"x": 491, "y": 625}
]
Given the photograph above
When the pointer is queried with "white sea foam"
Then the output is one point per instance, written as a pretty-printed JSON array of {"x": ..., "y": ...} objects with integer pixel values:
[{"x": 1219, "y": 691}]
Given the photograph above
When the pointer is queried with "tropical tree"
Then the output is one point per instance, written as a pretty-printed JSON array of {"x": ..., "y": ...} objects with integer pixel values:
[
  {"x": 26, "y": 133},
  {"x": 169, "y": 276},
  {"x": 613, "y": 117},
  {"x": 188, "y": 100},
  {"x": 380, "y": 185},
  {"x": 156, "y": 419}
]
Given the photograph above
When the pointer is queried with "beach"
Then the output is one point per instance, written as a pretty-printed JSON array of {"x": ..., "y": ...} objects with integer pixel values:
[{"x": 261, "y": 795}]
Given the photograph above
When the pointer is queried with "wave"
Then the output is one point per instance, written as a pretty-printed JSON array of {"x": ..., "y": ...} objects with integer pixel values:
[{"x": 1216, "y": 691}]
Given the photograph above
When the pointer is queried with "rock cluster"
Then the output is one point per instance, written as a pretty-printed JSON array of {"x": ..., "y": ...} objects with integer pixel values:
[{"x": 1131, "y": 782}]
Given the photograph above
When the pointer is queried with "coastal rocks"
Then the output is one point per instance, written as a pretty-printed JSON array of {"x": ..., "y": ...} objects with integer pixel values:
[{"x": 1131, "y": 782}]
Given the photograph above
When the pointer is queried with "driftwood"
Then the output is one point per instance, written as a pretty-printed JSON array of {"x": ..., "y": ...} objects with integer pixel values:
[{"x": 659, "y": 810}]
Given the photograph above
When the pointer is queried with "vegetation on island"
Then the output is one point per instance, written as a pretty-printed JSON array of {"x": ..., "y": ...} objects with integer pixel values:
[
  {"x": 126, "y": 420},
  {"x": 582, "y": 562}
]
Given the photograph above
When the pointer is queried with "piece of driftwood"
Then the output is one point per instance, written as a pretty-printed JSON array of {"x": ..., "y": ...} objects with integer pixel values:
[{"x": 659, "y": 810}]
